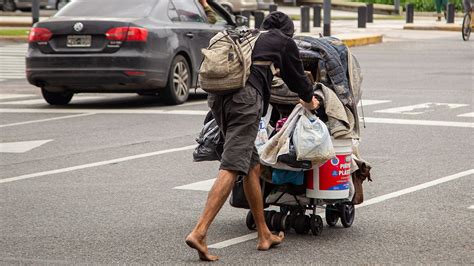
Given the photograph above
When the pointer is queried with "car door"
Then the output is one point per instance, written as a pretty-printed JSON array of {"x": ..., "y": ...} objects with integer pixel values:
[{"x": 195, "y": 28}]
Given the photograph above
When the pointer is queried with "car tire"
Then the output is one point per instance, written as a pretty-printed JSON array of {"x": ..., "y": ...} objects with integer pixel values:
[
  {"x": 179, "y": 82},
  {"x": 56, "y": 98},
  {"x": 9, "y": 6}
]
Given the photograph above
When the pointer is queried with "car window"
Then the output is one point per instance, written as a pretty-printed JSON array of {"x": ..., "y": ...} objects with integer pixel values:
[
  {"x": 188, "y": 12},
  {"x": 107, "y": 8},
  {"x": 172, "y": 14}
]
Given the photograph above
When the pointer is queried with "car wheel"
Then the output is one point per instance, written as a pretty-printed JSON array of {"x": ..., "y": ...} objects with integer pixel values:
[
  {"x": 179, "y": 81},
  {"x": 9, "y": 6},
  {"x": 56, "y": 98}
]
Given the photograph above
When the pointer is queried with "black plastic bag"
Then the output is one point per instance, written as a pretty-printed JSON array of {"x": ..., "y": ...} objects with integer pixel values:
[
  {"x": 237, "y": 198},
  {"x": 210, "y": 145}
]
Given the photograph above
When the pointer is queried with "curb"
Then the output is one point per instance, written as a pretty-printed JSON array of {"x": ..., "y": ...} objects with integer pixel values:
[
  {"x": 19, "y": 24},
  {"x": 430, "y": 27},
  {"x": 365, "y": 40},
  {"x": 352, "y": 41},
  {"x": 14, "y": 38}
]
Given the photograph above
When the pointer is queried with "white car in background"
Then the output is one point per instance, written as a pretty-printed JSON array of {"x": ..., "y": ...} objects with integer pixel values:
[
  {"x": 13, "y": 5},
  {"x": 237, "y": 6}
]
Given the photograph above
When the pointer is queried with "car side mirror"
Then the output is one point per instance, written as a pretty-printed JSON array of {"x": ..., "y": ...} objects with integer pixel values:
[{"x": 241, "y": 20}]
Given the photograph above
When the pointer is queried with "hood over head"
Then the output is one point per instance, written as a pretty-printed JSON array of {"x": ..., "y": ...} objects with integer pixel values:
[{"x": 281, "y": 21}]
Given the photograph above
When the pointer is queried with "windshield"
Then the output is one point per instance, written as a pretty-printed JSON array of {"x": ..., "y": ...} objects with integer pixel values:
[{"x": 107, "y": 8}]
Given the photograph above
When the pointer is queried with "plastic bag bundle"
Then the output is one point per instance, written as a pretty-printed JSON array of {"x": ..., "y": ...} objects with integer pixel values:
[
  {"x": 264, "y": 130},
  {"x": 312, "y": 140},
  {"x": 210, "y": 146}
]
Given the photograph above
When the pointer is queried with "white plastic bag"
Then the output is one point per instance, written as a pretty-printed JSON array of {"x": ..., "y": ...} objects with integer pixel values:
[
  {"x": 263, "y": 130},
  {"x": 279, "y": 143},
  {"x": 312, "y": 140}
]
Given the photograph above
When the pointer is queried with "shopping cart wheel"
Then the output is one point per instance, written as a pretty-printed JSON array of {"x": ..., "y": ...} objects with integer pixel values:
[
  {"x": 347, "y": 212},
  {"x": 302, "y": 224},
  {"x": 268, "y": 219},
  {"x": 316, "y": 224},
  {"x": 277, "y": 222},
  {"x": 332, "y": 215},
  {"x": 250, "y": 222}
]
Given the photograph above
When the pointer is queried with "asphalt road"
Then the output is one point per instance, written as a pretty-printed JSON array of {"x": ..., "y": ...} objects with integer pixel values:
[{"x": 101, "y": 187}]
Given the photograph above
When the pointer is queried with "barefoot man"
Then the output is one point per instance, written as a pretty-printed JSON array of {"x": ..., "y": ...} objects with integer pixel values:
[{"x": 238, "y": 116}]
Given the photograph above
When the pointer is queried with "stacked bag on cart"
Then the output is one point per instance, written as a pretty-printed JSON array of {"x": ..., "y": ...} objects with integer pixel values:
[{"x": 338, "y": 87}]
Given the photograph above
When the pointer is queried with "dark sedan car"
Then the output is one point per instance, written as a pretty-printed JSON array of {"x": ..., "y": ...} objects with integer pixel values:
[{"x": 139, "y": 46}]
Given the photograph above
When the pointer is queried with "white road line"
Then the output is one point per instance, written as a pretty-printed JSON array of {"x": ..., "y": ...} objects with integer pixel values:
[
  {"x": 376, "y": 120},
  {"x": 372, "y": 102},
  {"x": 466, "y": 115},
  {"x": 45, "y": 120},
  {"x": 471, "y": 207},
  {"x": 21, "y": 146},
  {"x": 96, "y": 164},
  {"x": 199, "y": 186},
  {"x": 14, "y": 96},
  {"x": 102, "y": 111},
  {"x": 420, "y": 108},
  {"x": 42, "y": 101},
  {"x": 194, "y": 103},
  {"x": 375, "y": 200},
  {"x": 233, "y": 241}
]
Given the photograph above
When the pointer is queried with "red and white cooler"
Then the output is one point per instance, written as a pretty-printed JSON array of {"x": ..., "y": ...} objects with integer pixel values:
[{"x": 332, "y": 179}]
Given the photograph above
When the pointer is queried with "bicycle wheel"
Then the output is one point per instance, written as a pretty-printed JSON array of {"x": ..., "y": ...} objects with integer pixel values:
[{"x": 466, "y": 26}]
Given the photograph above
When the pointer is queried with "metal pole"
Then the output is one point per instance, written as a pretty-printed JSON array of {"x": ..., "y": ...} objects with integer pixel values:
[
  {"x": 370, "y": 13},
  {"x": 397, "y": 6},
  {"x": 410, "y": 13},
  {"x": 304, "y": 19},
  {"x": 259, "y": 16},
  {"x": 327, "y": 18},
  {"x": 317, "y": 16},
  {"x": 450, "y": 10},
  {"x": 273, "y": 7},
  {"x": 35, "y": 6},
  {"x": 361, "y": 16}
]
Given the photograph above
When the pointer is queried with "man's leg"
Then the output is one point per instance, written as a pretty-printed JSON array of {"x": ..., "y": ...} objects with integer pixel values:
[
  {"x": 217, "y": 196},
  {"x": 253, "y": 193}
]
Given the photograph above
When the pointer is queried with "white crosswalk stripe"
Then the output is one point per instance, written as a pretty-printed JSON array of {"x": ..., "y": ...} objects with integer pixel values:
[{"x": 12, "y": 58}]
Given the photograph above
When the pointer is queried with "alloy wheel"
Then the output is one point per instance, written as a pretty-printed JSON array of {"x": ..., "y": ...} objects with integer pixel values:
[{"x": 180, "y": 79}]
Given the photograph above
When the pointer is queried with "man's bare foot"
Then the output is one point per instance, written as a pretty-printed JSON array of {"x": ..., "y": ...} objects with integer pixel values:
[
  {"x": 271, "y": 241},
  {"x": 199, "y": 243}
]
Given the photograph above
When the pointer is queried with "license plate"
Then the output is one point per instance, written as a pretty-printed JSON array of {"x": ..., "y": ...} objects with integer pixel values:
[{"x": 79, "y": 41}]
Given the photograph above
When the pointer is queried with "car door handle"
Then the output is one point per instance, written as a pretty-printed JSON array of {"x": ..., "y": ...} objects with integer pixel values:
[{"x": 189, "y": 35}]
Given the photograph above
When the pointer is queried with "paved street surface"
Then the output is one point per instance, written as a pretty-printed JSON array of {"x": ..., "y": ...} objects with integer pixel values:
[{"x": 110, "y": 178}]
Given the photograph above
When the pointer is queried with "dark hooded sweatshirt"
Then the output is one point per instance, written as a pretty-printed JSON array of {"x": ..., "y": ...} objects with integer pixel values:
[{"x": 277, "y": 46}]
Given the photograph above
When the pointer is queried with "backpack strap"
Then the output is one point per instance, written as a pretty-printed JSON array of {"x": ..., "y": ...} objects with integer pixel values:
[{"x": 267, "y": 63}]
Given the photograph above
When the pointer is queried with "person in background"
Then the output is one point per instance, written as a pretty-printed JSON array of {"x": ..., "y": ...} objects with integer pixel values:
[
  {"x": 440, "y": 4},
  {"x": 211, "y": 15},
  {"x": 238, "y": 115}
]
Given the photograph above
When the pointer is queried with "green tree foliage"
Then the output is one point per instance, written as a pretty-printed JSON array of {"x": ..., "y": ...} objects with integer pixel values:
[{"x": 420, "y": 5}]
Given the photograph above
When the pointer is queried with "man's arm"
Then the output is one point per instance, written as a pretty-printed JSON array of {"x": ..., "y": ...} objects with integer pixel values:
[
  {"x": 211, "y": 15},
  {"x": 292, "y": 72}
]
